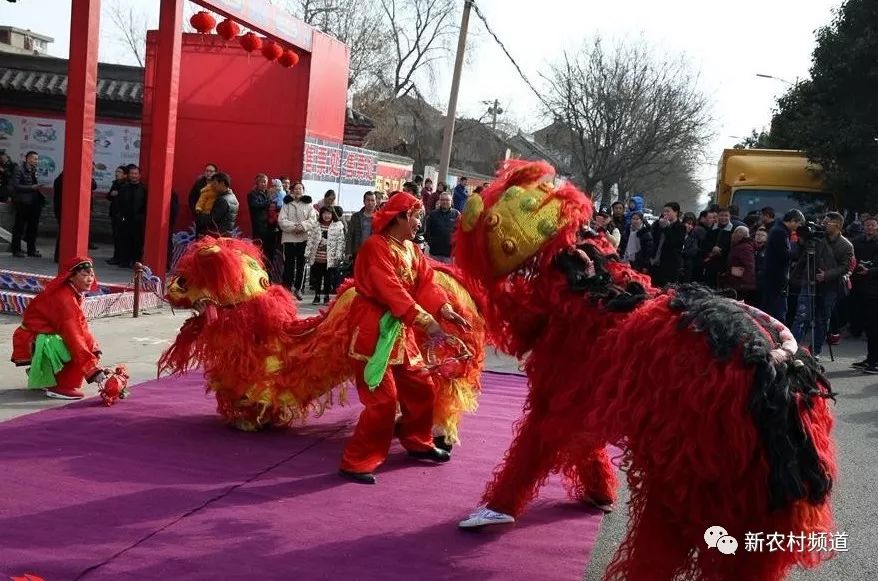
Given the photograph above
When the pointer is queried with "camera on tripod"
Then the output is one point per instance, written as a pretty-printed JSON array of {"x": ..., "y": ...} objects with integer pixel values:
[{"x": 811, "y": 231}]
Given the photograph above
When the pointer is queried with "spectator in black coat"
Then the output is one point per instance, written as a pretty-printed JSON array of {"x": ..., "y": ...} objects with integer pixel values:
[
  {"x": 224, "y": 214},
  {"x": 778, "y": 256},
  {"x": 260, "y": 201},
  {"x": 668, "y": 234},
  {"x": 440, "y": 227},
  {"x": 865, "y": 287},
  {"x": 28, "y": 202},
  {"x": 58, "y": 197},
  {"x": 718, "y": 245},
  {"x": 209, "y": 170},
  {"x": 115, "y": 214},
  {"x": 132, "y": 208}
]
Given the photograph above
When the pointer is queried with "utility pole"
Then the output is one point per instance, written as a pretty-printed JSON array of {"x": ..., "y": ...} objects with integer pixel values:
[
  {"x": 445, "y": 155},
  {"x": 494, "y": 111}
]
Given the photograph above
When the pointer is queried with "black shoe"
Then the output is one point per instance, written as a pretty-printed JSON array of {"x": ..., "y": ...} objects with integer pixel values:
[
  {"x": 861, "y": 364},
  {"x": 326, "y": 300},
  {"x": 435, "y": 455},
  {"x": 112, "y": 261},
  {"x": 871, "y": 369},
  {"x": 35, "y": 254},
  {"x": 439, "y": 442},
  {"x": 297, "y": 294},
  {"x": 358, "y": 477},
  {"x": 316, "y": 300},
  {"x": 19, "y": 254}
]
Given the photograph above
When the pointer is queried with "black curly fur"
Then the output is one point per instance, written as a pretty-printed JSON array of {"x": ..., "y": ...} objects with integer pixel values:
[
  {"x": 599, "y": 287},
  {"x": 795, "y": 469}
]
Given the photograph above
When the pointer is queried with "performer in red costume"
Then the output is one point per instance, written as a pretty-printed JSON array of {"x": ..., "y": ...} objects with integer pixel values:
[
  {"x": 395, "y": 293},
  {"x": 54, "y": 338}
]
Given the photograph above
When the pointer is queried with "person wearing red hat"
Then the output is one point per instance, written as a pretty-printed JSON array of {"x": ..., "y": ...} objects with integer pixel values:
[
  {"x": 54, "y": 338},
  {"x": 395, "y": 293}
]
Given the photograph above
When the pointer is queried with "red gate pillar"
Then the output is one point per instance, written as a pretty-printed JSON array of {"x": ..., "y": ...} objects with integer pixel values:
[
  {"x": 82, "y": 76},
  {"x": 164, "y": 135}
]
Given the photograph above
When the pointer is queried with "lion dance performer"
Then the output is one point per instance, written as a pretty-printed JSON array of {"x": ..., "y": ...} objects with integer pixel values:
[
  {"x": 269, "y": 368},
  {"x": 54, "y": 338},
  {"x": 722, "y": 420},
  {"x": 395, "y": 294}
]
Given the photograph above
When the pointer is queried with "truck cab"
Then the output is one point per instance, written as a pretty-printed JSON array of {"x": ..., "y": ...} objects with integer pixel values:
[{"x": 781, "y": 179}]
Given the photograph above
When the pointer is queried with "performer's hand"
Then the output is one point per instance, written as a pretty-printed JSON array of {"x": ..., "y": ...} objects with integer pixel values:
[
  {"x": 821, "y": 276},
  {"x": 449, "y": 315},
  {"x": 98, "y": 377},
  {"x": 434, "y": 330}
]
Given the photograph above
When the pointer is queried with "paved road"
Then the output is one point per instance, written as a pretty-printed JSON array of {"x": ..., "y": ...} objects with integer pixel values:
[{"x": 138, "y": 342}]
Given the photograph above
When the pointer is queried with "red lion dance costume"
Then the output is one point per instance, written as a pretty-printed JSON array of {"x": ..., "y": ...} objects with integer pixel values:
[
  {"x": 722, "y": 420},
  {"x": 267, "y": 367}
]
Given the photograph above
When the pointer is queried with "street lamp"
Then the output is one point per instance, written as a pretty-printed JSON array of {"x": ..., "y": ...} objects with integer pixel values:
[{"x": 762, "y": 76}]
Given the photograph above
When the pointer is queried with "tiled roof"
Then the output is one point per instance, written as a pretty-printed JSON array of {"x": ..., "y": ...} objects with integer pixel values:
[{"x": 49, "y": 83}]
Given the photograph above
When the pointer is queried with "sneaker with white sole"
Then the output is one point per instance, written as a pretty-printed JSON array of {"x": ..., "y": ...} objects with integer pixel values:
[
  {"x": 603, "y": 506},
  {"x": 62, "y": 393},
  {"x": 871, "y": 369},
  {"x": 861, "y": 364},
  {"x": 484, "y": 517}
]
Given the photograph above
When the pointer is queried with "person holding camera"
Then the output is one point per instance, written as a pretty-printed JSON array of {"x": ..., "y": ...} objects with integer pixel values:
[
  {"x": 865, "y": 289},
  {"x": 832, "y": 259},
  {"x": 778, "y": 257}
]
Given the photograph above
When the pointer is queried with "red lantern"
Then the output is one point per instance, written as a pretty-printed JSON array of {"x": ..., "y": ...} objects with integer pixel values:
[
  {"x": 288, "y": 59},
  {"x": 250, "y": 42},
  {"x": 203, "y": 22},
  {"x": 228, "y": 29},
  {"x": 271, "y": 50}
]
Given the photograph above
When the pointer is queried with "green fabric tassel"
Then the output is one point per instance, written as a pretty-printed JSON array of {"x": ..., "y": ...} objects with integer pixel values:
[
  {"x": 50, "y": 355},
  {"x": 389, "y": 328}
]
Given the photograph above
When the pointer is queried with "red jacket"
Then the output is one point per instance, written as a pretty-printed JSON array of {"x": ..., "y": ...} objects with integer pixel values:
[
  {"x": 57, "y": 310},
  {"x": 394, "y": 276},
  {"x": 743, "y": 255}
]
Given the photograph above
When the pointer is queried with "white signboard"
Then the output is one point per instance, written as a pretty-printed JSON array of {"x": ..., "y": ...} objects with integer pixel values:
[{"x": 115, "y": 145}]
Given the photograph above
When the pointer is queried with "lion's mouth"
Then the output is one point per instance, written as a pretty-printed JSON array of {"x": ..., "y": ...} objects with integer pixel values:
[{"x": 204, "y": 304}]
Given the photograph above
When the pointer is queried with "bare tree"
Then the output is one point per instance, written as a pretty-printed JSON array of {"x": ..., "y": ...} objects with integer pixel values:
[
  {"x": 626, "y": 113},
  {"x": 357, "y": 23},
  {"x": 420, "y": 32},
  {"x": 130, "y": 26}
]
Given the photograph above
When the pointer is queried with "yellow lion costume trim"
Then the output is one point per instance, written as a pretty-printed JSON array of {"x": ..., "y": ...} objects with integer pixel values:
[{"x": 268, "y": 367}]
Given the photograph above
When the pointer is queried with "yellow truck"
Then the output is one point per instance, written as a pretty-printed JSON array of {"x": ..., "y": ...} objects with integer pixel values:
[{"x": 755, "y": 178}]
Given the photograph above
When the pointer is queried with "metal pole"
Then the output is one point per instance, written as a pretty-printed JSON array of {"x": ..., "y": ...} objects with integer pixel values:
[
  {"x": 445, "y": 156},
  {"x": 138, "y": 283},
  {"x": 494, "y": 118}
]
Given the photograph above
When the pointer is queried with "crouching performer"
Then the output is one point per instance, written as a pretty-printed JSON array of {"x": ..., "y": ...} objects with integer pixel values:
[{"x": 54, "y": 338}]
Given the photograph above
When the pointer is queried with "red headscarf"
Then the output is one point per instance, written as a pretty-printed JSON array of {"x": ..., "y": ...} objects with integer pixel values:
[
  {"x": 398, "y": 203},
  {"x": 68, "y": 269}
]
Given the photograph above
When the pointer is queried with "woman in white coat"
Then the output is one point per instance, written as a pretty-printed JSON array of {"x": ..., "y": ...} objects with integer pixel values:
[{"x": 325, "y": 251}]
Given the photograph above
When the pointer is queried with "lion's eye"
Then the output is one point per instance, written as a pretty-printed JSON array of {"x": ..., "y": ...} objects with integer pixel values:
[
  {"x": 181, "y": 282},
  {"x": 253, "y": 264}
]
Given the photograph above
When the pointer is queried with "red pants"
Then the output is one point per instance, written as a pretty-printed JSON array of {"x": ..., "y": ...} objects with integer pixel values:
[
  {"x": 70, "y": 377},
  {"x": 414, "y": 390}
]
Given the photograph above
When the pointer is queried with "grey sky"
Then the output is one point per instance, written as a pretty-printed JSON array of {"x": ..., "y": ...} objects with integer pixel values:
[{"x": 727, "y": 42}]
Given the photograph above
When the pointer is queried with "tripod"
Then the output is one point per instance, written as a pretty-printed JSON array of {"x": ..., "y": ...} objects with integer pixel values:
[{"x": 811, "y": 275}]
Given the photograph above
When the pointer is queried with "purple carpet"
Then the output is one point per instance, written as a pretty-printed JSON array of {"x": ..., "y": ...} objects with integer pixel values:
[{"x": 156, "y": 488}]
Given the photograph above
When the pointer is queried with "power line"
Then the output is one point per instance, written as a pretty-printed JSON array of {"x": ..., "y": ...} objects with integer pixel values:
[{"x": 508, "y": 55}]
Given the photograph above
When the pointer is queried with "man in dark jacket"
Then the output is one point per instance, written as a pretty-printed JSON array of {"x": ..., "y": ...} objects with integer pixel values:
[
  {"x": 460, "y": 194},
  {"x": 668, "y": 234},
  {"x": 224, "y": 215},
  {"x": 718, "y": 243},
  {"x": 865, "y": 281},
  {"x": 58, "y": 198},
  {"x": 28, "y": 202},
  {"x": 833, "y": 258},
  {"x": 132, "y": 210},
  {"x": 778, "y": 255},
  {"x": 360, "y": 226},
  {"x": 209, "y": 170},
  {"x": 7, "y": 172},
  {"x": 440, "y": 227},
  {"x": 259, "y": 200}
]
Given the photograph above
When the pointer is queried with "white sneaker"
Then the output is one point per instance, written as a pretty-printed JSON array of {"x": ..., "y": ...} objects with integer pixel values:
[
  {"x": 485, "y": 516},
  {"x": 605, "y": 508}
]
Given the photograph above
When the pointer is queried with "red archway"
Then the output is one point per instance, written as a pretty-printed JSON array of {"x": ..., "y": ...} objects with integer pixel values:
[{"x": 158, "y": 166}]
